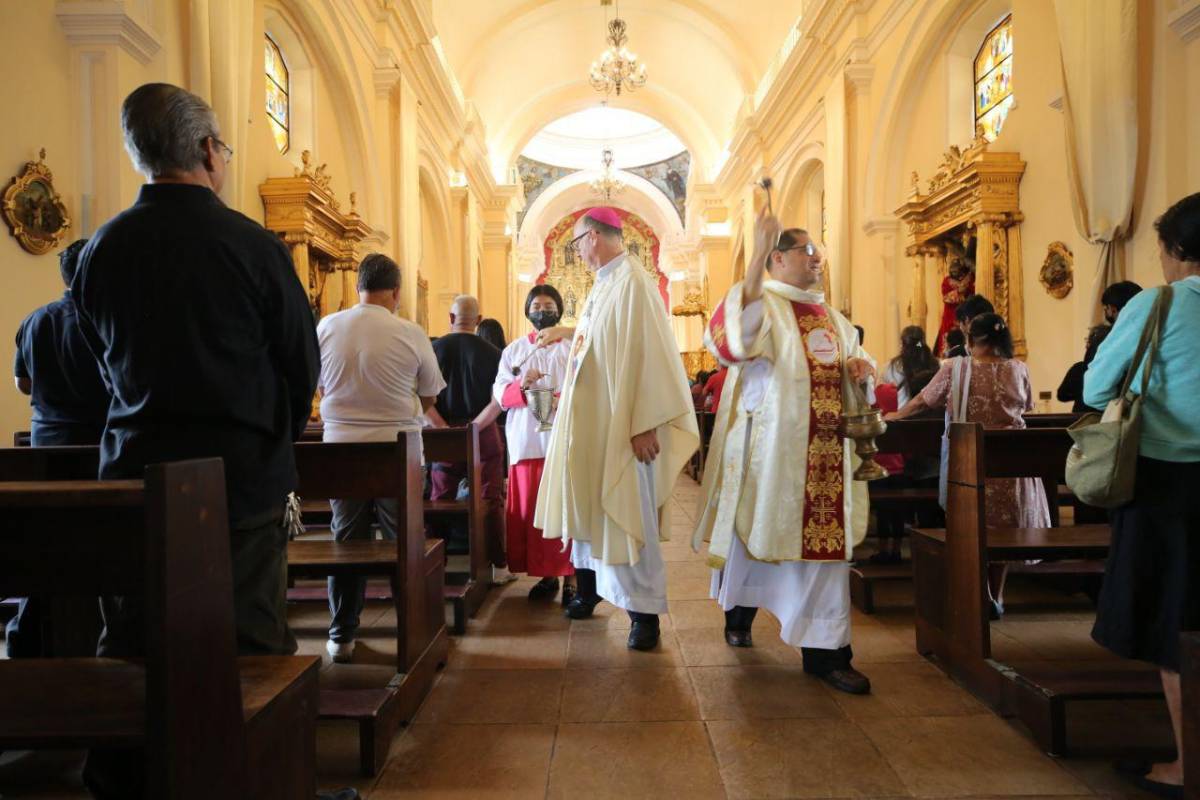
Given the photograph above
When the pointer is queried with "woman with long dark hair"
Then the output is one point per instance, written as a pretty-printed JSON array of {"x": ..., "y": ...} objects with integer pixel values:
[{"x": 915, "y": 361}]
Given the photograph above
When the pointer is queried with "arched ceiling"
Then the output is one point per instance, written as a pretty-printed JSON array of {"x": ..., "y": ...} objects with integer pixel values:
[{"x": 524, "y": 63}]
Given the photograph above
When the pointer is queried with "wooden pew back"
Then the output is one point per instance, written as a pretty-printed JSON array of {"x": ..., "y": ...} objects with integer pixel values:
[
  {"x": 367, "y": 470},
  {"x": 166, "y": 540}
]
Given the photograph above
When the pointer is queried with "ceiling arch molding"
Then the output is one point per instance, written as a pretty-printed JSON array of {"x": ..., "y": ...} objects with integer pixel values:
[
  {"x": 688, "y": 14},
  {"x": 573, "y": 193},
  {"x": 804, "y": 163},
  {"x": 933, "y": 27},
  {"x": 542, "y": 109}
]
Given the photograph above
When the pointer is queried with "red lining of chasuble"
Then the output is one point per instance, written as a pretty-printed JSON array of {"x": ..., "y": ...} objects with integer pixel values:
[
  {"x": 513, "y": 397},
  {"x": 823, "y": 531},
  {"x": 716, "y": 329}
]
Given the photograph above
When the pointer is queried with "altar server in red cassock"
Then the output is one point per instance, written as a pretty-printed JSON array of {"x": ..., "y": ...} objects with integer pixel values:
[
  {"x": 526, "y": 365},
  {"x": 781, "y": 510}
]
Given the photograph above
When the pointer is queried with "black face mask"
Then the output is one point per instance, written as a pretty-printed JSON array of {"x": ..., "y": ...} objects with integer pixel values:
[{"x": 544, "y": 319}]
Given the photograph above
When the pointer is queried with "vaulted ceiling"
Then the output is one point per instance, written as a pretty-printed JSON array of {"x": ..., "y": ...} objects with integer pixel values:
[{"x": 524, "y": 63}]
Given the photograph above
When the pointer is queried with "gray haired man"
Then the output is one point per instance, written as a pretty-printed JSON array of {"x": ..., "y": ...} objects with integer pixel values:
[{"x": 205, "y": 339}]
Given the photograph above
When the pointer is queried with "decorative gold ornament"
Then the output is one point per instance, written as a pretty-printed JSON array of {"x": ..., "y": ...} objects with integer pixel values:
[
  {"x": 33, "y": 210},
  {"x": 1058, "y": 273}
]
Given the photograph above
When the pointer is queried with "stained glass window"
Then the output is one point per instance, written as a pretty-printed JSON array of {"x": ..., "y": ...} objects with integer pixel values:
[
  {"x": 993, "y": 79},
  {"x": 278, "y": 107}
]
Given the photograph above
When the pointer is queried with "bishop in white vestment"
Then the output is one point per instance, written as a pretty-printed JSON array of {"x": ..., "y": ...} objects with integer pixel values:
[
  {"x": 781, "y": 511},
  {"x": 625, "y": 428}
]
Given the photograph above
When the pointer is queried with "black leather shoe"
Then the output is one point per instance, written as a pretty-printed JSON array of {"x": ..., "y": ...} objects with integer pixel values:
[
  {"x": 643, "y": 635},
  {"x": 581, "y": 607},
  {"x": 545, "y": 589},
  {"x": 738, "y": 638},
  {"x": 568, "y": 594},
  {"x": 848, "y": 680},
  {"x": 340, "y": 794}
]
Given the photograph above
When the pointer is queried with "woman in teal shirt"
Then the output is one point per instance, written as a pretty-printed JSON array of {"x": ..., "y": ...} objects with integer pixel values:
[{"x": 1150, "y": 590}]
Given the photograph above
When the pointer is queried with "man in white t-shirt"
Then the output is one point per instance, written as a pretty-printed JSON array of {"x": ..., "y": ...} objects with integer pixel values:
[{"x": 373, "y": 364}]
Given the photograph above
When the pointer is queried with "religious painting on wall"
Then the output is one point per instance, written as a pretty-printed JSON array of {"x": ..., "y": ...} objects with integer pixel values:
[
  {"x": 670, "y": 177},
  {"x": 35, "y": 213},
  {"x": 567, "y": 273},
  {"x": 1057, "y": 275},
  {"x": 536, "y": 177}
]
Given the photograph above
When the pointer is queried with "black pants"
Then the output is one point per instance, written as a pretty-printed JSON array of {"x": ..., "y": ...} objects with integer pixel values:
[
  {"x": 818, "y": 661},
  {"x": 259, "y": 561}
]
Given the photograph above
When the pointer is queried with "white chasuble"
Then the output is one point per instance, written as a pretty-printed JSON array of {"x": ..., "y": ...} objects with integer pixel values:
[
  {"x": 624, "y": 377},
  {"x": 778, "y": 478}
]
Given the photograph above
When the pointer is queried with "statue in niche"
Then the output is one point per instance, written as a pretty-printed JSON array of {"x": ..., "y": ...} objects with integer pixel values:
[
  {"x": 957, "y": 286},
  {"x": 569, "y": 301}
]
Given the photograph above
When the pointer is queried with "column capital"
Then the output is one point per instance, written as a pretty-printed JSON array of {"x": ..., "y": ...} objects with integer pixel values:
[{"x": 107, "y": 22}]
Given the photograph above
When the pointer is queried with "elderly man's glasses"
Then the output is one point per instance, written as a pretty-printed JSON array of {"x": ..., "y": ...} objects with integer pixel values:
[
  {"x": 809, "y": 248},
  {"x": 226, "y": 150},
  {"x": 574, "y": 243}
]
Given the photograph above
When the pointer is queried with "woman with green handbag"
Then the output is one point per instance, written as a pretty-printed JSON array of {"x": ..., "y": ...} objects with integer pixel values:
[{"x": 1151, "y": 592}]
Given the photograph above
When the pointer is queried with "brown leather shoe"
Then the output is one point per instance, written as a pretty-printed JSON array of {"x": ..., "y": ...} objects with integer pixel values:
[{"x": 848, "y": 680}]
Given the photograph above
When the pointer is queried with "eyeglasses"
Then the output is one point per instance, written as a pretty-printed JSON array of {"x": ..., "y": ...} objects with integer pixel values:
[
  {"x": 809, "y": 248},
  {"x": 574, "y": 243},
  {"x": 226, "y": 150}
]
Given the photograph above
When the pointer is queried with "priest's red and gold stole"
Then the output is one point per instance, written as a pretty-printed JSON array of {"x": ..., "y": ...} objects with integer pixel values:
[{"x": 824, "y": 526}]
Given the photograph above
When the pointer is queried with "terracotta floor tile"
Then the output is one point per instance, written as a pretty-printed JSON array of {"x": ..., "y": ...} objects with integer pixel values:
[
  {"x": 689, "y": 614},
  {"x": 608, "y": 617},
  {"x": 444, "y": 762},
  {"x": 800, "y": 758},
  {"x": 689, "y": 588},
  {"x": 705, "y": 647},
  {"x": 967, "y": 756},
  {"x": 623, "y": 761},
  {"x": 1102, "y": 779},
  {"x": 760, "y": 692},
  {"x": 608, "y": 650},
  {"x": 907, "y": 690},
  {"x": 628, "y": 695},
  {"x": 494, "y": 696},
  {"x": 485, "y": 649},
  {"x": 685, "y": 570},
  {"x": 513, "y": 611},
  {"x": 1056, "y": 641},
  {"x": 874, "y": 643}
]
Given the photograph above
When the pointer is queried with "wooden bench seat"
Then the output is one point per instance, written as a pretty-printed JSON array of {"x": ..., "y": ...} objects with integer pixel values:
[
  {"x": 1038, "y": 693},
  {"x": 950, "y": 589},
  {"x": 413, "y": 565},
  {"x": 210, "y": 723}
]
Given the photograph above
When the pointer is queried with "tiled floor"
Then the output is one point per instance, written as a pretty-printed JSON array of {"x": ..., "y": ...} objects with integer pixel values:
[{"x": 535, "y": 706}]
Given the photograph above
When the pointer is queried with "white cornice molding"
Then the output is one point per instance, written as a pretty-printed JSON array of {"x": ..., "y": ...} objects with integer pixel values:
[
  {"x": 1185, "y": 20},
  {"x": 92, "y": 22},
  {"x": 885, "y": 226}
]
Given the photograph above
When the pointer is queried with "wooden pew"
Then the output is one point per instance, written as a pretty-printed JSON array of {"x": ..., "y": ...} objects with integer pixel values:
[
  {"x": 1189, "y": 675},
  {"x": 211, "y": 723},
  {"x": 465, "y": 591},
  {"x": 413, "y": 565},
  {"x": 950, "y": 584}
]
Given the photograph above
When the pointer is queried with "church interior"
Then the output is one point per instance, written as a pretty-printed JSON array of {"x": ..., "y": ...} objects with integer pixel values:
[{"x": 1032, "y": 143}]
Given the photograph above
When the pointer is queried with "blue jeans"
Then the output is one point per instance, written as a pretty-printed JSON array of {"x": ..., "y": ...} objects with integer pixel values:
[{"x": 353, "y": 520}]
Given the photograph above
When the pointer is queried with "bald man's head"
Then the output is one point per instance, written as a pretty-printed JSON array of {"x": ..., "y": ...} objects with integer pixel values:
[{"x": 464, "y": 314}]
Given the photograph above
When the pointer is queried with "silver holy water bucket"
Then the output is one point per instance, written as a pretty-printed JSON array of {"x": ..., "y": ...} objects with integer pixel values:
[{"x": 541, "y": 403}]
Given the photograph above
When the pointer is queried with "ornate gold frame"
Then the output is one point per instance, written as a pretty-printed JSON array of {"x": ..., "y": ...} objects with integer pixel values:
[
  {"x": 695, "y": 305},
  {"x": 33, "y": 240},
  {"x": 976, "y": 191},
  {"x": 1062, "y": 288}
]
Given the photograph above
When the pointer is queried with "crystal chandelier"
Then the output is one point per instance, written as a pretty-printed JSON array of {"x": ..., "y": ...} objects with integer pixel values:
[
  {"x": 607, "y": 185},
  {"x": 617, "y": 68}
]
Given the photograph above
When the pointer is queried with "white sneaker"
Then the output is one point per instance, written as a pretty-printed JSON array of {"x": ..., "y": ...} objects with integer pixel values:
[
  {"x": 340, "y": 652},
  {"x": 501, "y": 576}
]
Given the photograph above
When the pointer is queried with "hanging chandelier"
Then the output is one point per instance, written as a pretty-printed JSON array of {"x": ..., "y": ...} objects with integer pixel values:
[
  {"x": 617, "y": 68},
  {"x": 607, "y": 184}
]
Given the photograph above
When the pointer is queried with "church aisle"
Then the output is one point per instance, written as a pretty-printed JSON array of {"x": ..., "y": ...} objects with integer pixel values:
[{"x": 535, "y": 705}]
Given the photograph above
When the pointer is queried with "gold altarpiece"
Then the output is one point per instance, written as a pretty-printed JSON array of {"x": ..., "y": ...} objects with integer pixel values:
[
  {"x": 972, "y": 200},
  {"x": 567, "y": 273},
  {"x": 323, "y": 239}
]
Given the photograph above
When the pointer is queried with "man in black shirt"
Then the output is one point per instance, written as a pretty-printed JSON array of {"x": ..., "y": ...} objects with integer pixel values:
[
  {"x": 205, "y": 337},
  {"x": 55, "y": 367},
  {"x": 469, "y": 366}
]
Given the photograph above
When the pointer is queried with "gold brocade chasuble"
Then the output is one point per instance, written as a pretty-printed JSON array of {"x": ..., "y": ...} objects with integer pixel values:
[
  {"x": 625, "y": 378},
  {"x": 786, "y": 490}
]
